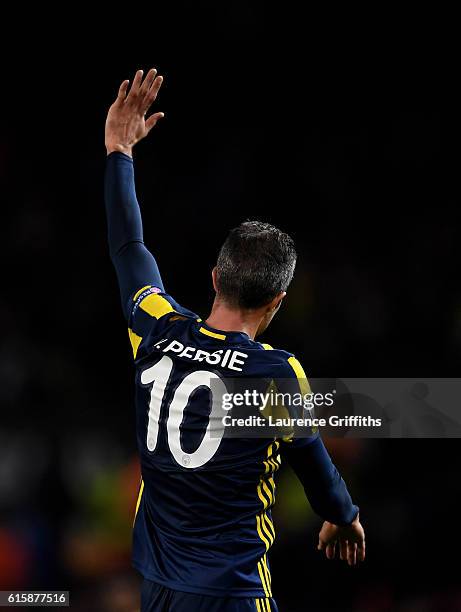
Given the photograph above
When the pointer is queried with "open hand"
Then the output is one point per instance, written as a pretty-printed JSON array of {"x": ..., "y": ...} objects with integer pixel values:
[
  {"x": 126, "y": 122},
  {"x": 350, "y": 538}
]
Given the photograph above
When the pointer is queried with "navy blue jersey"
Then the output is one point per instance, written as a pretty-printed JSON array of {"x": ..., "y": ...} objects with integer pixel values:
[
  {"x": 203, "y": 519},
  {"x": 203, "y": 524}
]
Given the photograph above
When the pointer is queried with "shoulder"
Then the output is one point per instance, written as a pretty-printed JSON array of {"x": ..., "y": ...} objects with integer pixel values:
[
  {"x": 286, "y": 366},
  {"x": 290, "y": 377},
  {"x": 151, "y": 311},
  {"x": 287, "y": 360},
  {"x": 156, "y": 303}
]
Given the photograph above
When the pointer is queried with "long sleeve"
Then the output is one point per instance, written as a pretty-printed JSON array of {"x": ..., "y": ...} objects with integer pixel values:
[
  {"x": 324, "y": 487},
  {"x": 134, "y": 264}
]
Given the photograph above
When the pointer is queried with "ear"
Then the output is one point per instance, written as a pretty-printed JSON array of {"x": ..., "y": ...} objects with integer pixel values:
[
  {"x": 276, "y": 302},
  {"x": 214, "y": 276}
]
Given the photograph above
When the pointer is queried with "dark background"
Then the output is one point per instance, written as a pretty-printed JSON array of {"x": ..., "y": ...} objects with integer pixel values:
[{"x": 348, "y": 139}]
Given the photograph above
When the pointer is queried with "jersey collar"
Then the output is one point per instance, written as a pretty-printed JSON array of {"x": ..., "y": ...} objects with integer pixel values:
[{"x": 220, "y": 335}]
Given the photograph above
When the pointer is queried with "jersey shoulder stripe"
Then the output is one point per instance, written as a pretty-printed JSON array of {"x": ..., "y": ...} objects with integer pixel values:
[
  {"x": 150, "y": 310},
  {"x": 135, "y": 341},
  {"x": 290, "y": 368},
  {"x": 212, "y": 334}
]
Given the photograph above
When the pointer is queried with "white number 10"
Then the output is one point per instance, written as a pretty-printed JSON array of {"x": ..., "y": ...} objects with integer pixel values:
[{"x": 159, "y": 374}]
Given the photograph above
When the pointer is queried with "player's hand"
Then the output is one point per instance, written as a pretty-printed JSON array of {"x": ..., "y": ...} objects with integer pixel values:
[
  {"x": 350, "y": 540},
  {"x": 126, "y": 122}
]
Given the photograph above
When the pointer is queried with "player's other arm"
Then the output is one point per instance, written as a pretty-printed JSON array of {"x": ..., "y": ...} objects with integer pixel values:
[
  {"x": 126, "y": 125},
  {"x": 330, "y": 499}
]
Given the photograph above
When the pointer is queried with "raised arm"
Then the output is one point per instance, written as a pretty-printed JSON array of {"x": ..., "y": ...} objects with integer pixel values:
[
  {"x": 330, "y": 499},
  {"x": 126, "y": 125}
]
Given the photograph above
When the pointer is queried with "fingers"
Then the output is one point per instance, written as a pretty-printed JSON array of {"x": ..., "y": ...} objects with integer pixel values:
[
  {"x": 133, "y": 96},
  {"x": 331, "y": 550},
  {"x": 142, "y": 93},
  {"x": 137, "y": 82},
  {"x": 348, "y": 551},
  {"x": 153, "y": 120},
  {"x": 122, "y": 92},
  {"x": 351, "y": 553},
  {"x": 150, "y": 76},
  {"x": 151, "y": 94},
  {"x": 321, "y": 545},
  {"x": 361, "y": 551}
]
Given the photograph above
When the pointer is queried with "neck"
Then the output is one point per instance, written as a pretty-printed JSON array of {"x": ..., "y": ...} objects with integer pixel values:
[{"x": 225, "y": 318}]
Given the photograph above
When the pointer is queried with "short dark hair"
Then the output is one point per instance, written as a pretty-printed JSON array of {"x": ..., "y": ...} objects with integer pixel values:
[{"x": 255, "y": 263}]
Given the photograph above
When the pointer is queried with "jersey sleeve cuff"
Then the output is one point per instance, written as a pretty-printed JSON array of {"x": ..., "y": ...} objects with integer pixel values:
[{"x": 120, "y": 155}]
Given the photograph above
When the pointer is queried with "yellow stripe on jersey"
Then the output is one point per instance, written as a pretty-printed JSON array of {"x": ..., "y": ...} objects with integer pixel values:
[
  {"x": 263, "y": 604},
  {"x": 135, "y": 341},
  {"x": 267, "y": 575},
  {"x": 268, "y": 492},
  {"x": 272, "y": 449},
  {"x": 141, "y": 489},
  {"x": 264, "y": 500},
  {"x": 268, "y": 572},
  {"x": 264, "y": 525},
  {"x": 265, "y": 529},
  {"x": 207, "y": 332},
  {"x": 177, "y": 318},
  {"x": 263, "y": 573},
  {"x": 298, "y": 370},
  {"x": 156, "y": 305},
  {"x": 267, "y": 542},
  {"x": 304, "y": 385},
  {"x": 138, "y": 293},
  {"x": 268, "y": 528}
]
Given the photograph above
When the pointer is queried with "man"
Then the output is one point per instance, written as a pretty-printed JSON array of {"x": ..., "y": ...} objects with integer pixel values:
[{"x": 203, "y": 523}]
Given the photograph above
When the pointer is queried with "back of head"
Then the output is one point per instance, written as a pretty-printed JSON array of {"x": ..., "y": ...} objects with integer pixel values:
[{"x": 255, "y": 264}]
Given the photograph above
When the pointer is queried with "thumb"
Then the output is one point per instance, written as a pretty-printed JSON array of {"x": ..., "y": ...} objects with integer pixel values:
[{"x": 153, "y": 120}]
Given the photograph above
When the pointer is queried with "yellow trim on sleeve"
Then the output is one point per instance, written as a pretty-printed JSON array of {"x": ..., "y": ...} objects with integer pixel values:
[
  {"x": 135, "y": 341},
  {"x": 138, "y": 293},
  {"x": 267, "y": 347},
  {"x": 141, "y": 489},
  {"x": 304, "y": 385},
  {"x": 207, "y": 332},
  {"x": 156, "y": 306}
]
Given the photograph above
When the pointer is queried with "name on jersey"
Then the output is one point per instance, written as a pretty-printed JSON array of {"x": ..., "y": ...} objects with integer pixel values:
[{"x": 225, "y": 358}]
